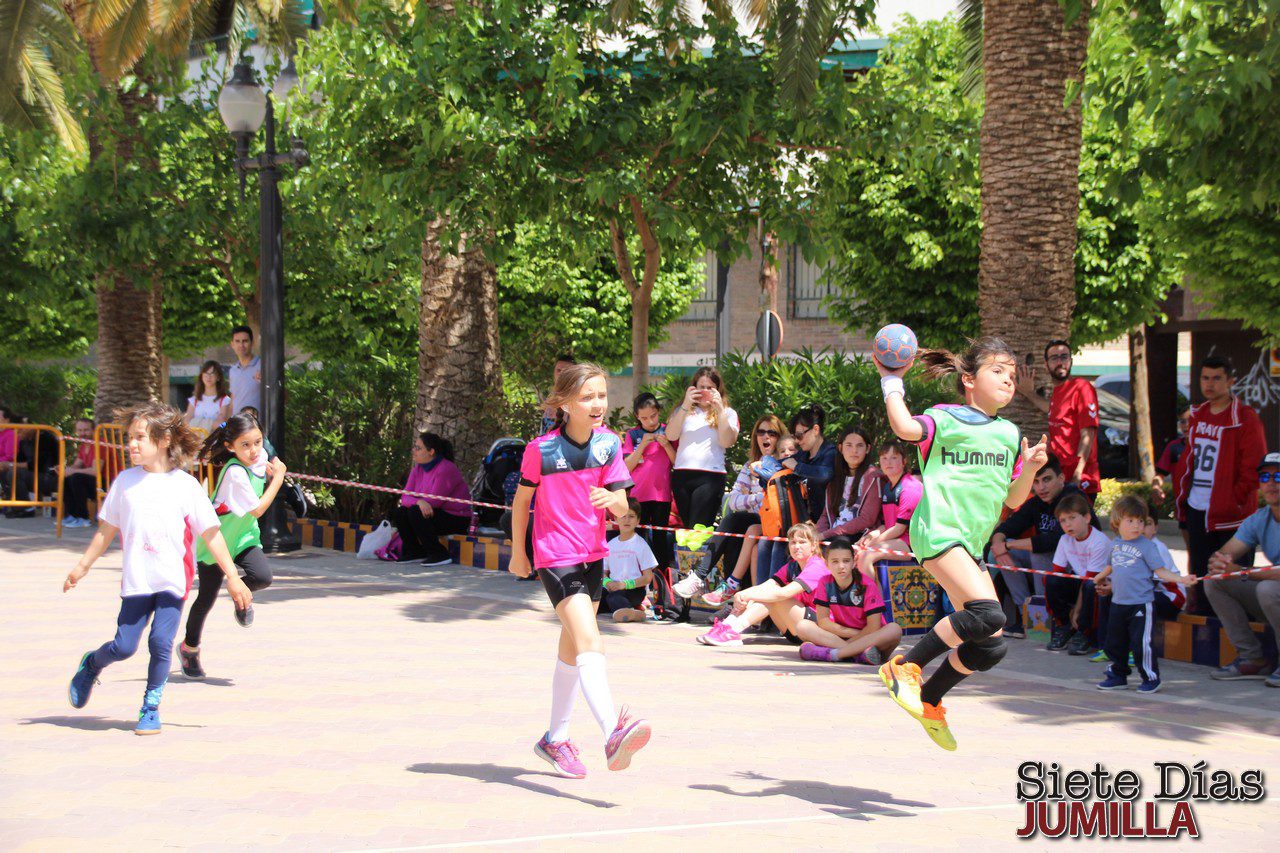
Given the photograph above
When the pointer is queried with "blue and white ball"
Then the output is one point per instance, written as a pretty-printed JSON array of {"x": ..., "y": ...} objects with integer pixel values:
[{"x": 894, "y": 346}]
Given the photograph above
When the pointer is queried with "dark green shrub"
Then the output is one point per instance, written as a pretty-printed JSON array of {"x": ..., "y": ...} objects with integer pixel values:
[{"x": 49, "y": 394}]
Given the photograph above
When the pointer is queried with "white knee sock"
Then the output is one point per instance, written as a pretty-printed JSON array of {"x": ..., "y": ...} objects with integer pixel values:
[
  {"x": 595, "y": 688},
  {"x": 564, "y": 689}
]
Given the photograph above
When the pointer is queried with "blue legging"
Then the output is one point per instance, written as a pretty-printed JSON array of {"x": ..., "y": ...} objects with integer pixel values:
[{"x": 135, "y": 612}]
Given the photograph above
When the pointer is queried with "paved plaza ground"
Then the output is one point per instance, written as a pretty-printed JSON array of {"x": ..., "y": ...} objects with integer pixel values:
[{"x": 395, "y": 707}]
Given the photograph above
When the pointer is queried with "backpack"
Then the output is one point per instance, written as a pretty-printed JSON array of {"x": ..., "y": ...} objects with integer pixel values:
[
  {"x": 497, "y": 479},
  {"x": 786, "y": 503}
]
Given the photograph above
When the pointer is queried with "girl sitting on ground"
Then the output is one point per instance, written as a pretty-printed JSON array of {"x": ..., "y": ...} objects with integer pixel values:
[
  {"x": 899, "y": 494},
  {"x": 851, "y": 607}
]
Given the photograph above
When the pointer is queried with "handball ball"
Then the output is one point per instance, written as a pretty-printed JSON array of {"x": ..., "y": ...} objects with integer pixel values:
[{"x": 895, "y": 346}]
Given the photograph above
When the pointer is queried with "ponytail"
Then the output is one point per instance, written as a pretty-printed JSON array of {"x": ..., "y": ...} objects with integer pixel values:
[{"x": 939, "y": 362}]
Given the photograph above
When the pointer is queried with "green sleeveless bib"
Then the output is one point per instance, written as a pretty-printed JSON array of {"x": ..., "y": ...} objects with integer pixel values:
[
  {"x": 240, "y": 531},
  {"x": 966, "y": 469}
]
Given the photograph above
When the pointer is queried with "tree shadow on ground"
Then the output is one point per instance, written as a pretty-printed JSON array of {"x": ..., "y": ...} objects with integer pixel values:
[
  {"x": 500, "y": 775},
  {"x": 843, "y": 800},
  {"x": 96, "y": 724}
]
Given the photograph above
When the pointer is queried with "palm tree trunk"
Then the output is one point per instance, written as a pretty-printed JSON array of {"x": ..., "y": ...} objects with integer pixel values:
[
  {"x": 129, "y": 349},
  {"x": 459, "y": 362},
  {"x": 1030, "y": 156}
]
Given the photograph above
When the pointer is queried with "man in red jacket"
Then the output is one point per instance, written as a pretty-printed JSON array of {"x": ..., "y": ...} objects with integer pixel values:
[
  {"x": 1073, "y": 416},
  {"x": 1216, "y": 478}
]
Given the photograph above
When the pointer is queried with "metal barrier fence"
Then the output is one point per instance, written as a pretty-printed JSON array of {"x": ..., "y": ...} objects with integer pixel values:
[
  {"x": 20, "y": 478},
  {"x": 111, "y": 457}
]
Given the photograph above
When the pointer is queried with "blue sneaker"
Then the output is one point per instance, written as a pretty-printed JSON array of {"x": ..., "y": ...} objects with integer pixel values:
[
  {"x": 82, "y": 682},
  {"x": 1114, "y": 681},
  {"x": 1100, "y": 657},
  {"x": 148, "y": 721},
  {"x": 1148, "y": 687}
]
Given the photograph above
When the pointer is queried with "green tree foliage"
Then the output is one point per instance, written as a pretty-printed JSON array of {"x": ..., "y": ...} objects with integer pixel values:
[
  {"x": 1192, "y": 88},
  {"x": 900, "y": 206}
]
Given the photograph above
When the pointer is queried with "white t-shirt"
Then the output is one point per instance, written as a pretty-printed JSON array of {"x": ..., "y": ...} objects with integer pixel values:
[
  {"x": 700, "y": 448},
  {"x": 208, "y": 412},
  {"x": 235, "y": 492},
  {"x": 159, "y": 516},
  {"x": 1083, "y": 558},
  {"x": 628, "y": 560},
  {"x": 846, "y": 511}
]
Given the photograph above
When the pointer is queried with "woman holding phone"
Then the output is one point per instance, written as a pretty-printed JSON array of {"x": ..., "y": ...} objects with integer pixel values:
[{"x": 704, "y": 426}]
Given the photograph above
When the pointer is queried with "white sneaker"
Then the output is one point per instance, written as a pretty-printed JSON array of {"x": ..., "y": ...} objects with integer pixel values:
[{"x": 690, "y": 586}]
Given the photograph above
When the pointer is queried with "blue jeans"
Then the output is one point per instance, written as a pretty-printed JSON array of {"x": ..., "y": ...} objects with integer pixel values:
[
  {"x": 164, "y": 611},
  {"x": 770, "y": 556}
]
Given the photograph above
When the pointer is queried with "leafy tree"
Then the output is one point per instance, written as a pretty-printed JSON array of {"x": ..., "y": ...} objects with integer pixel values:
[
  {"x": 1191, "y": 87},
  {"x": 901, "y": 207}
]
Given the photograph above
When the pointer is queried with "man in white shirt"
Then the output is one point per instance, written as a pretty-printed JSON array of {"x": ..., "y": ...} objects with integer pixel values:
[{"x": 246, "y": 373}]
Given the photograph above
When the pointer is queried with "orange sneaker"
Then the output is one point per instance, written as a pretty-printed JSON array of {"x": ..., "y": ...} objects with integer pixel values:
[
  {"x": 934, "y": 720},
  {"x": 903, "y": 681}
]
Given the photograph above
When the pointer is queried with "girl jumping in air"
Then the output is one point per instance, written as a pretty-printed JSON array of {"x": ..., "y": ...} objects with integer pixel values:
[
  {"x": 247, "y": 484},
  {"x": 158, "y": 509},
  {"x": 579, "y": 473},
  {"x": 968, "y": 456}
]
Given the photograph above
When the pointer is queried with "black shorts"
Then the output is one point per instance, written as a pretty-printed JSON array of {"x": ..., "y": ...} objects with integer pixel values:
[{"x": 578, "y": 579}]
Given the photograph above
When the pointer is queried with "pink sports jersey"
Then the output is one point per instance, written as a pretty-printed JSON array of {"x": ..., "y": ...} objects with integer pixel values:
[
  {"x": 851, "y": 606},
  {"x": 567, "y": 529},
  {"x": 811, "y": 578}
]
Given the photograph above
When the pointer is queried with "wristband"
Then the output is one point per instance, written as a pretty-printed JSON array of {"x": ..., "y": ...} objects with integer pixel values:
[
  {"x": 890, "y": 385},
  {"x": 629, "y": 584}
]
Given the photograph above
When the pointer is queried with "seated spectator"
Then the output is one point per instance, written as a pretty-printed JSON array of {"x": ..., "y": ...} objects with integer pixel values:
[
  {"x": 422, "y": 521},
  {"x": 13, "y": 479},
  {"x": 1009, "y": 547},
  {"x": 80, "y": 478},
  {"x": 786, "y": 598},
  {"x": 900, "y": 492},
  {"x": 852, "y": 506},
  {"x": 851, "y": 607},
  {"x": 1235, "y": 600},
  {"x": 210, "y": 405},
  {"x": 648, "y": 454},
  {"x": 814, "y": 462},
  {"x": 1083, "y": 550},
  {"x": 768, "y": 445},
  {"x": 628, "y": 569}
]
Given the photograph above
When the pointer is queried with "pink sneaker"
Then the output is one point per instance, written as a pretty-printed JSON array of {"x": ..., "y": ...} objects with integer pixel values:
[
  {"x": 628, "y": 737},
  {"x": 721, "y": 635},
  {"x": 563, "y": 756},
  {"x": 716, "y": 627},
  {"x": 813, "y": 651},
  {"x": 718, "y": 596}
]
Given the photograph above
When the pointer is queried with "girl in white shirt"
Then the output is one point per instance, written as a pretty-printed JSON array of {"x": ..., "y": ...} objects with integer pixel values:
[
  {"x": 211, "y": 403},
  {"x": 158, "y": 509},
  {"x": 704, "y": 426}
]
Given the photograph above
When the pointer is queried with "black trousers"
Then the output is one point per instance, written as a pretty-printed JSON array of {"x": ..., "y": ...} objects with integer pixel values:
[
  {"x": 77, "y": 489},
  {"x": 1129, "y": 630},
  {"x": 661, "y": 542},
  {"x": 420, "y": 535},
  {"x": 1201, "y": 544},
  {"x": 256, "y": 574},
  {"x": 1060, "y": 596},
  {"x": 728, "y": 547},
  {"x": 697, "y": 495}
]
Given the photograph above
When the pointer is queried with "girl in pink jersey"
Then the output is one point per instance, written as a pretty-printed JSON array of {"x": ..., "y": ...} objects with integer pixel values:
[
  {"x": 851, "y": 607},
  {"x": 579, "y": 473}
]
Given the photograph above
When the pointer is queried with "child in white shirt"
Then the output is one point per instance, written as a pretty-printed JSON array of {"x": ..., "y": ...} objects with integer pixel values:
[{"x": 628, "y": 569}]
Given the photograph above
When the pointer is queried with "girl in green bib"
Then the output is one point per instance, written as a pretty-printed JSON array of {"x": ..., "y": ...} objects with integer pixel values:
[
  {"x": 971, "y": 461},
  {"x": 247, "y": 484}
]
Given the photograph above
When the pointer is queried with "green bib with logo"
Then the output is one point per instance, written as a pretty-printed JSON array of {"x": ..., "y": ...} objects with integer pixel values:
[
  {"x": 240, "y": 531},
  {"x": 966, "y": 468}
]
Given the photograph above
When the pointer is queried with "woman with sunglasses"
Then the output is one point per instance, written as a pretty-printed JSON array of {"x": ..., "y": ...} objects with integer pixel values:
[
  {"x": 743, "y": 511},
  {"x": 815, "y": 462}
]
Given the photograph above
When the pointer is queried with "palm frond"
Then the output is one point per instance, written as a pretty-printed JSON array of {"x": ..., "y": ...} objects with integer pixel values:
[
  {"x": 759, "y": 12},
  {"x": 124, "y": 42},
  {"x": 43, "y": 86},
  {"x": 624, "y": 12},
  {"x": 96, "y": 17},
  {"x": 168, "y": 17},
  {"x": 970, "y": 47}
]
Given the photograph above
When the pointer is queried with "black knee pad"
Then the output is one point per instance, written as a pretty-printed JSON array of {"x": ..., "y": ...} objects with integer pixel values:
[
  {"x": 978, "y": 619},
  {"x": 982, "y": 655}
]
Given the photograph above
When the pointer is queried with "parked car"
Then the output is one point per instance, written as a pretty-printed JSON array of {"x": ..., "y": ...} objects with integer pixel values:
[
  {"x": 1113, "y": 435},
  {"x": 1118, "y": 384}
]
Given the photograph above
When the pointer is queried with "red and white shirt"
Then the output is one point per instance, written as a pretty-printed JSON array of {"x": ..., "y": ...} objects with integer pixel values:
[{"x": 1072, "y": 408}]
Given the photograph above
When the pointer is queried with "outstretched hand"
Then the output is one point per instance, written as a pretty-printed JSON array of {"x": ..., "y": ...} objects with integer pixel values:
[
  {"x": 896, "y": 371},
  {"x": 1035, "y": 456}
]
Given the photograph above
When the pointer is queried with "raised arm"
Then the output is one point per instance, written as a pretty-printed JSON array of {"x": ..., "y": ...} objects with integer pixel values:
[
  {"x": 902, "y": 423},
  {"x": 1033, "y": 459}
]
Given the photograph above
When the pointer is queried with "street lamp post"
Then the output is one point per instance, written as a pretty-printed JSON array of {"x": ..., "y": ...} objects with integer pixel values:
[{"x": 244, "y": 106}]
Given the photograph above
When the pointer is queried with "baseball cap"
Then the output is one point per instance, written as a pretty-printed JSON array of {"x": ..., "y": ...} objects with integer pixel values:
[{"x": 1269, "y": 461}]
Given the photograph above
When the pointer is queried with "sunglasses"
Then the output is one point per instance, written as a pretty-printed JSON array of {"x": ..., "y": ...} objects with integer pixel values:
[
  {"x": 1269, "y": 477},
  {"x": 771, "y": 432}
]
